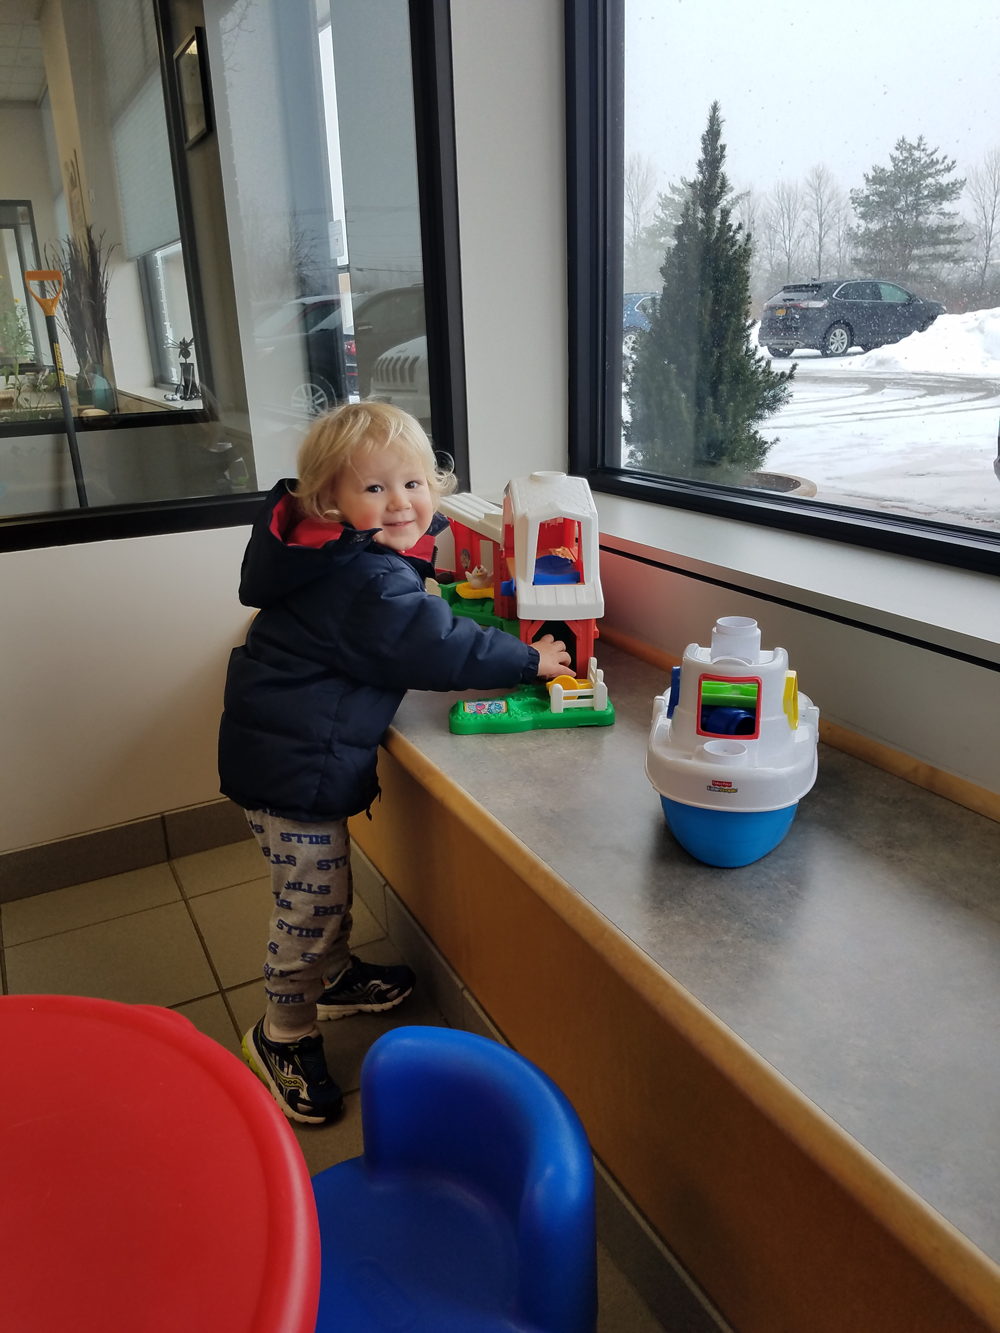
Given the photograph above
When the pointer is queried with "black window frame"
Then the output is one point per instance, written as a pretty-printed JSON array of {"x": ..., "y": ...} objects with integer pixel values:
[
  {"x": 437, "y": 177},
  {"x": 595, "y": 114}
]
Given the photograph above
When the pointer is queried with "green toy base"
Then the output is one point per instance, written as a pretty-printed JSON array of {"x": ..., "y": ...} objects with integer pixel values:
[
  {"x": 479, "y": 609},
  {"x": 527, "y": 710}
]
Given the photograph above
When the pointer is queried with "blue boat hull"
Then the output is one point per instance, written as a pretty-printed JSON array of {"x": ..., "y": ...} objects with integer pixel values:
[{"x": 727, "y": 837}]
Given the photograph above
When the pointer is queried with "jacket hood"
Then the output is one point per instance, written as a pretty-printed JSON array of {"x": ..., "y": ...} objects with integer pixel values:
[{"x": 272, "y": 569}]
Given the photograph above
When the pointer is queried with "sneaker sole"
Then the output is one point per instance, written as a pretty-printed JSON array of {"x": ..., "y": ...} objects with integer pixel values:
[
  {"x": 262, "y": 1073},
  {"x": 329, "y": 1012}
]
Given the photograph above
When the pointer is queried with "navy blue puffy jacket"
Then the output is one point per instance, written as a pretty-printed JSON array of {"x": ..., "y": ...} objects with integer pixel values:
[{"x": 343, "y": 631}]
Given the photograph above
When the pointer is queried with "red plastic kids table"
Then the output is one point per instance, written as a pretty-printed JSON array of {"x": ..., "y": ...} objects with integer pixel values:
[{"x": 148, "y": 1183}]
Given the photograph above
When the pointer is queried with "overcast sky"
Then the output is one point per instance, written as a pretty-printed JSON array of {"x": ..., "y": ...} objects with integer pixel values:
[{"x": 810, "y": 82}]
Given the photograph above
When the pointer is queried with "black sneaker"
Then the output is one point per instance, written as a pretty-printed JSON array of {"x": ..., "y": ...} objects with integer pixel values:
[
  {"x": 365, "y": 988},
  {"x": 295, "y": 1073}
]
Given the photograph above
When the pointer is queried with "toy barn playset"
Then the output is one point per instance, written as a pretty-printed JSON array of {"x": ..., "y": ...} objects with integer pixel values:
[
  {"x": 531, "y": 568},
  {"x": 732, "y": 747}
]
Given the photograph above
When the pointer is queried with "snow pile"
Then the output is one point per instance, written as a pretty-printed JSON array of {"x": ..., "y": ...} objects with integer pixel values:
[{"x": 953, "y": 345}]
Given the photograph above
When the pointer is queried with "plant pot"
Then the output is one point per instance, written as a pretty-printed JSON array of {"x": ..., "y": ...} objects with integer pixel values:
[
  {"x": 103, "y": 393},
  {"x": 781, "y": 482},
  {"x": 94, "y": 390}
]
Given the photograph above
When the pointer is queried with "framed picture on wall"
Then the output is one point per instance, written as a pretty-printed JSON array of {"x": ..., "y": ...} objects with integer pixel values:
[{"x": 192, "y": 82}]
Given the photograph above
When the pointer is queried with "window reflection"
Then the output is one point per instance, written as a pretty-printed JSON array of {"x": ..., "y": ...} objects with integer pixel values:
[
  {"x": 314, "y": 139},
  {"x": 315, "y": 114},
  {"x": 86, "y": 151}
]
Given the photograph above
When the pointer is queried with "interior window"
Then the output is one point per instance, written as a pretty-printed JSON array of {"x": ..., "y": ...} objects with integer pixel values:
[
  {"x": 314, "y": 102},
  {"x": 85, "y": 136},
  {"x": 297, "y": 127}
]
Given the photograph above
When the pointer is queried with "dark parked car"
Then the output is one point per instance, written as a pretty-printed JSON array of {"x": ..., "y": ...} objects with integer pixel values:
[
  {"x": 833, "y": 317},
  {"x": 315, "y": 324},
  {"x": 384, "y": 320}
]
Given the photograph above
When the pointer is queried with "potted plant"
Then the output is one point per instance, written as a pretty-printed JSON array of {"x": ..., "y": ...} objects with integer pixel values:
[{"x": 83, "y": 312}]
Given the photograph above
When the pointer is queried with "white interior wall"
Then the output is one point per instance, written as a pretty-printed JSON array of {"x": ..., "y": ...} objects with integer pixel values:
[
  {"x": 113, "y": 667},
  {"x": 511, "y": 145},
  {"x": 24, "y": 172}
]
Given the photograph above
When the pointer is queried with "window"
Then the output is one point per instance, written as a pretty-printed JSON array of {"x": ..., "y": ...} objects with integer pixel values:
[
  {"x": 891, "y": 293},
  {"x": 315, "y": 111},
  {"x": 21, "y": 328},
  {"x": 88, "y": 145},
  {"x": 859, "y": 291},
  {"x": 168, "y": 324},
  {"x": 821, "y": 298},
  {"x": 303, "y": 252}
]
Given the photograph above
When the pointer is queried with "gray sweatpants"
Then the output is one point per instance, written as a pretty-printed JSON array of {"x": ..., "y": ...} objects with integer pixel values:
[{"x": 309, "y": 935}]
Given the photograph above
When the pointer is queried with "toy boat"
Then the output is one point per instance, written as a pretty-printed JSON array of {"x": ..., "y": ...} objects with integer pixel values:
[{"x": 732, "y": 748}]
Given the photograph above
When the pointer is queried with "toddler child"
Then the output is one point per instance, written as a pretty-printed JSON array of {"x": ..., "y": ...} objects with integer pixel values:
[{"x": 336, "y": 562}]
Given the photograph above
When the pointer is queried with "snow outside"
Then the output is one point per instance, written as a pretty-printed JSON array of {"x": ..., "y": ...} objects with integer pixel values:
[
  {"x": 910, "y": 428},
  {"x": 860, "y": 144}
]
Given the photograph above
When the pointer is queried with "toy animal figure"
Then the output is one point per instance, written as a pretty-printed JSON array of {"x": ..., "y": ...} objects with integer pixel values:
[{"x": 732, "y": 748}]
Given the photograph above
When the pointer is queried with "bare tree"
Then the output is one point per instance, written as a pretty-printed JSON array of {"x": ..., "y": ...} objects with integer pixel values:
[
  {"x": 766, "y": 250},
  {"x": 983, "y": 189},
  {"x": 750, "y": 210},
  {"x": 823, "y": 201},
  {"x": 747, "y": 205},
  {"x": 640, "y": 189},
  {"x": 232, "y": 25},
  {"x": 842, "y": 237},
  {"x": 787, "y": 210}
]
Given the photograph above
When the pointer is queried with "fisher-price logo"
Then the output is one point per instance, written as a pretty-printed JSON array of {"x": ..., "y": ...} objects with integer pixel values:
[{"x": 721, "y": 788}]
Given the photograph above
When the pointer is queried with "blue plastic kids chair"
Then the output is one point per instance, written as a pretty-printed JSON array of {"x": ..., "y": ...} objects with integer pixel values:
[{"x": 472, "y": 1209}]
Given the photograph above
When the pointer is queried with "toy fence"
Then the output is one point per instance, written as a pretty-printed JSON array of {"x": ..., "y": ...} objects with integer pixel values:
[{"x": 592, "y": 695}]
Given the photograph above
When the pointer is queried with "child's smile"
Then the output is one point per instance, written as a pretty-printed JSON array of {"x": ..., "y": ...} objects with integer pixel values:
[{"x": 390, "y": 492}]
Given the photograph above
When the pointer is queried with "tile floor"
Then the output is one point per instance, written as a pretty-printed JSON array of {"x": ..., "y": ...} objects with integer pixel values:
[{"x": 188, "y": 934}]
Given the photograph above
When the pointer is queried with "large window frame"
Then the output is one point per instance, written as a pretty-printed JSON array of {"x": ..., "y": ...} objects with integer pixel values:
[
  {"x": 595, "y": 115},
  {"x": 437, "y": 176}
]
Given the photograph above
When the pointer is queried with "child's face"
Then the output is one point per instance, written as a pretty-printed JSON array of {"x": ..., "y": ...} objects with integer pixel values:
[{"x": 390, "y": 492}]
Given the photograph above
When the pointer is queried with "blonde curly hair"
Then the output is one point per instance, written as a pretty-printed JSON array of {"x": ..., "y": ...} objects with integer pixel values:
[{"x": 339, "y": 439}]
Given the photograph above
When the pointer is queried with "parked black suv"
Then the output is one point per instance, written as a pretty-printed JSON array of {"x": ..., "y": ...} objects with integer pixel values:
[{"x": 833, "y": 317}]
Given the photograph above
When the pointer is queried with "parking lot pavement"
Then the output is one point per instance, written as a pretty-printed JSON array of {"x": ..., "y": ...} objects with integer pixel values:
[{"x": 899, "y": 441}]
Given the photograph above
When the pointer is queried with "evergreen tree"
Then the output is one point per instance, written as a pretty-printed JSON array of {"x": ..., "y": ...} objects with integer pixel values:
[
  {"x": 698, "y": 388},
  {"x": 644, "y": 248},
  {"x": 659, "y": 235},
  {"x": 904, "y": 225}
]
